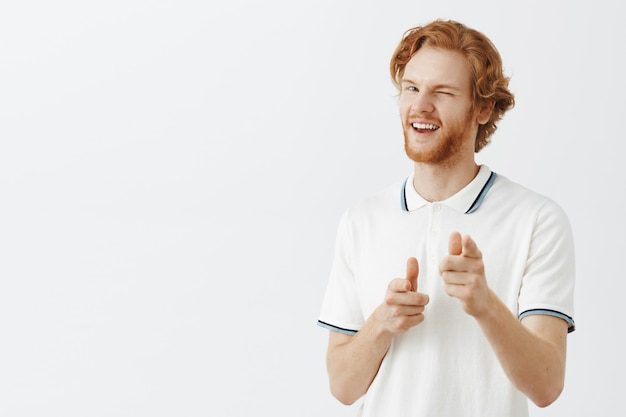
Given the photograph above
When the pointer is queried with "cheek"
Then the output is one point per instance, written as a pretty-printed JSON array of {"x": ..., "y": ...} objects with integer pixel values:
[{"x": 404, "y": 107}]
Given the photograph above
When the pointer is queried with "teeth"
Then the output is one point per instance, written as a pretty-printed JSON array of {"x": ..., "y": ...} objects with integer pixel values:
[{"x": 425, "y": 126}]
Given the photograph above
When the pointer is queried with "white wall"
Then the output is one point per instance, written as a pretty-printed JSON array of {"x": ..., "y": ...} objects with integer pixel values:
[{"x": 172, "y": 174}]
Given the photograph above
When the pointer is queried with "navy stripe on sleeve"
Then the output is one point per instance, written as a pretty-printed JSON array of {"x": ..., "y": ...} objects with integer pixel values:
[
  {"x": 336, "y": 329},
  {"x": 545, "y": 312}
]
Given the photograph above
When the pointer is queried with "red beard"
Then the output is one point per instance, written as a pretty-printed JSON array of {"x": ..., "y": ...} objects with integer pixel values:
[{"x": 449, "y": 144}]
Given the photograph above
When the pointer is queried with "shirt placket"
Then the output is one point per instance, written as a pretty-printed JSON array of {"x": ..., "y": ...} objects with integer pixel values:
[{"x": 434, "y": 237}]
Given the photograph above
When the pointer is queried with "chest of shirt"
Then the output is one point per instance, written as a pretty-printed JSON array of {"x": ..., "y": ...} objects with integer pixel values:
[{"x": 383, "y": 245}]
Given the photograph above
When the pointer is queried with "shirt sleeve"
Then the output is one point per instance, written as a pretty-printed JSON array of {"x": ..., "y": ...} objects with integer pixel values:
[
  {"x": 548, "y": 283},
  {"x": 341, "y": 310}
]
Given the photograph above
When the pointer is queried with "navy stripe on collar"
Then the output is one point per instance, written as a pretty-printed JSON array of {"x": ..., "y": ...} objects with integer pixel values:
[
  {"x": 482, "y": 194},
  {"x": 403, "y": 202},
  {"x": 477, "y": 202}
]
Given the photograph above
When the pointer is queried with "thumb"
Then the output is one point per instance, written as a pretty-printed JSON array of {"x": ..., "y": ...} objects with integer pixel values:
[
  {"x": 412, "y": 270},
  {"x": 455, "y": 244}
]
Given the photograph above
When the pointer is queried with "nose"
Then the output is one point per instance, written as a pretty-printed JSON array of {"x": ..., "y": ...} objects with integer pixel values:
[{"x": 422, "y": 103}]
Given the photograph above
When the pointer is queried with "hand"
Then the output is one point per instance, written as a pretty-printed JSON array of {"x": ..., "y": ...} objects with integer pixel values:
[
  {"x": 403, "y": 307},
  {"x": 463, "y": 273}
]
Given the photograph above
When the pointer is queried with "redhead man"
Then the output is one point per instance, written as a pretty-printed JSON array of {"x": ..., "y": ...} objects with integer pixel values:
[{"x": 451, "y": 292}]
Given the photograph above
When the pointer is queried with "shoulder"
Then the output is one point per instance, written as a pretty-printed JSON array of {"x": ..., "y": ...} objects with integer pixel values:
[
  {"x": 377, "y": 211},
  {"x": 516, "y": 202},
  {"x": 384, "y": 202},
  {"x": 506, "y": 190}
]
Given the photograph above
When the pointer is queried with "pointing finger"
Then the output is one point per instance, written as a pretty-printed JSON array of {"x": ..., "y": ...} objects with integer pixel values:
[
  {"x": 455, "y": 245},
  {"x": 412, "y": 270},
  {"x": 470, "y": 249}
]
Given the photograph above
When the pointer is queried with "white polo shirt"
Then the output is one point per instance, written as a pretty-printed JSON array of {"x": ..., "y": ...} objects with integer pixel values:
[{"x": 445, "y": 366}]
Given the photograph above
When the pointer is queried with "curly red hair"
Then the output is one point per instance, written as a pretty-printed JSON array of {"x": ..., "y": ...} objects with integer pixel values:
[{"x": 489, "y": 83}]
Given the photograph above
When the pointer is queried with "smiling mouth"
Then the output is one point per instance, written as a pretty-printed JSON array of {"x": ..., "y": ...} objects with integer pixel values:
[{"x": 425, "y": 127}]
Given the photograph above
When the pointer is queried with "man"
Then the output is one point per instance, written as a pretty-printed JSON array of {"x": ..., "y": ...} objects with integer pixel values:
[{"x": 450, "y": 293}]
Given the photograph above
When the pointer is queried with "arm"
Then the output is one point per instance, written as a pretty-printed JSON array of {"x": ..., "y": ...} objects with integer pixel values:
[
  {"x": 353, "y": 361},
  {"x": 532, "y": 353}
]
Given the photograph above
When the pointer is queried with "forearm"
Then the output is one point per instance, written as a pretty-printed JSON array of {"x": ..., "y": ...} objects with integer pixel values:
[
  {"x": 353, "y": 361},
  {"x": 534, "y": 364}
]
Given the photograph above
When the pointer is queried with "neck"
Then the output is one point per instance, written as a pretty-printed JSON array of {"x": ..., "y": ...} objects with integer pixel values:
[{"x": 437, "y": 182}]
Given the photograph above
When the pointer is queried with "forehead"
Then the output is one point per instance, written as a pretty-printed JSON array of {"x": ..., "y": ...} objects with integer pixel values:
[{"x": 430, "y": 65}]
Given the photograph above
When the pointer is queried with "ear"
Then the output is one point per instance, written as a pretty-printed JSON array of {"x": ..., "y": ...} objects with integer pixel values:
[{"x": 484, "y": 112}]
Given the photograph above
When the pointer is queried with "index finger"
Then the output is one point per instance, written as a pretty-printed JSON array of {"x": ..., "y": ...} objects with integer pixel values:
[
  {"x": 455, "y": 244},
  {"x": 470, "y": 249}
]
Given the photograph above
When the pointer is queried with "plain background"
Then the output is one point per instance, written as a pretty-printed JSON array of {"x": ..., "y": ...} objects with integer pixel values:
[{"x": 172, "y": 174}]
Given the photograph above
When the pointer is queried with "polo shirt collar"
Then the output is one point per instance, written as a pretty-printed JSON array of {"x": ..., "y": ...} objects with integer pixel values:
[{"x": 467, "y": 200}]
